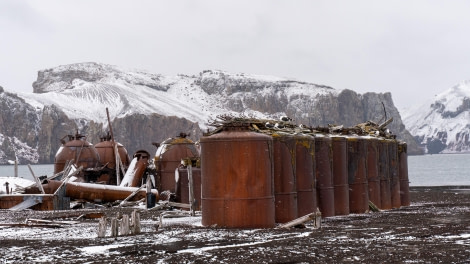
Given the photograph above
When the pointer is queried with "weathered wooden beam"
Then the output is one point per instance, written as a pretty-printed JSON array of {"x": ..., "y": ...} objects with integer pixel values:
[
  {"x": 180, "y": 205},
  {"x": 43, "y": 221},
  {"x": 38, "y": 182},
  {"x": 125, "y": 225},
  {"x": 306, "y": 218},
  {"x": 384, "y": 124},
  {"x": 102, "y": 227},
  {"x": 373, "y": 207},
  {"x": 132, "y": 195}
]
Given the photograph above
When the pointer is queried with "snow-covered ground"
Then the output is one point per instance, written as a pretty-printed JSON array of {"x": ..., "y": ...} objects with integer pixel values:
[{"x": 433, "y": 229}]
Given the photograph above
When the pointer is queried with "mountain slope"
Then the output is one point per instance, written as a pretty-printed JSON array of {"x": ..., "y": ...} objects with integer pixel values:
[
  {"x": 442, "y": 125},
  {"x": 146, "y": 107},
  {"x": 85, "y": 89}
]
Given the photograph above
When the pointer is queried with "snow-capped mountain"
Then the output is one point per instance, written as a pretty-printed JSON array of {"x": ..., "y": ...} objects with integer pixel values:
[
  {"x": 82, "y": 90},
  {"x": 442, "y": 124},
  {"x": 147, "y": 107}
]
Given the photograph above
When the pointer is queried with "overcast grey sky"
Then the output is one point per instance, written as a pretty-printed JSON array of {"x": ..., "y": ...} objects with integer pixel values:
[{"x": 413, "y": 49}]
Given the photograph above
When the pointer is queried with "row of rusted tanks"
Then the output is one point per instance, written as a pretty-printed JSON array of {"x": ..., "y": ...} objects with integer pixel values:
[
  {"x": 251, "y": 173},
  {"x": 255, "y": 175}
]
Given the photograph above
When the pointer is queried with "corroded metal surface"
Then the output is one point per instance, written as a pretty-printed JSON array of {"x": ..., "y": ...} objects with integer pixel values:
[
  {"x": 403, "y": 174},
  {"x": 385, "y": 196},
  {"x": 97, "y": 192},
  {"x": 78, "y": 149},
  {"x": 357, "y": 175},
  {"x": 105, "y": 150},
  {"x": 324, "y": 175},
  {"x": 136, "y": 170},
  {"x": 237, "y": 179},
  {"x": 168, "y": 159},
  {"x": 285, "y": 187},
  {"x": 47, "y": 202},
  {"x": 373, "y": 179},
  {"x": 340, "y": 174},
  {"x": 305, "y": 174},
  {"x": 182, "y": 186},
  {"x": 393, "y": 170}
]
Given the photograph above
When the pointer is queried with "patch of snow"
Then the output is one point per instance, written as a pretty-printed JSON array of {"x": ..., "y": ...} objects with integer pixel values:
[{"x": 101, "y": 249}]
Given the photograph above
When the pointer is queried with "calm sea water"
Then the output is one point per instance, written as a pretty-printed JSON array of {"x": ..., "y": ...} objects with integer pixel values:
[
  {"x": 439, "y": 170},
  {"x": 24, "y": 172},
  {"x": 426, "y": 170}
]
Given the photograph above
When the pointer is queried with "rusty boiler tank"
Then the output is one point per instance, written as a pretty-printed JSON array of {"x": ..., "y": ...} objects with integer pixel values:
[
  {"x": 305, "y": 174},
  {"x": 324, "y": 175},
  {"x": 403, "y": 174},
  {"x": 393, "y": 173},
  {"x": 237, "y": 179},
  {"x": 285, "y": 186},
  {"x": 384, "y": 161},
  {"x": 340, "y": 174},
  {"x": 134, "y": 176},
  {"x": 105, "y": 149},
  {"x": 168, "y": 159},
  {"x": 78, "y": 149},
  {"x": 357, "y": 175},
  {"x": 373, "y": 179},
  {"x": 190, "y": 170}
]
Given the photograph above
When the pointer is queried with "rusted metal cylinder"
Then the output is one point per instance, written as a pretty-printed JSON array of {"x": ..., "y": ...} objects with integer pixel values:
[
  {"x": 403, "y": 174},
  {"x": 285, "y": 187},
  {"x": 373, "y": 179},
  {"x": 97, "y": 192},
  {"x": 357, "y": 175},
  {"x": 105, "y": 150},
  {"x": 136, "y": 170},
  {"x": 393, "y": 170},
  {"x": 324, "y": 175},
  {"x": 182, "y": 186},
  {"x": 384, "y": 172},
  {"x": 78, "y": 149},
  {"x": 237, "y": 179},
  {"x": 168, "y": 159},
  {"x": 305, "y": 174},
  {"x": 340, "y": 174}
]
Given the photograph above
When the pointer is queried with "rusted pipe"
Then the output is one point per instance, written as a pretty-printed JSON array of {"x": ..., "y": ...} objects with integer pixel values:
[{"x": 97, "y": 192}]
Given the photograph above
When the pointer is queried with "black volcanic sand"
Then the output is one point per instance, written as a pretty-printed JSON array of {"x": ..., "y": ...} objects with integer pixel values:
[{"x": 434, "y": 229}]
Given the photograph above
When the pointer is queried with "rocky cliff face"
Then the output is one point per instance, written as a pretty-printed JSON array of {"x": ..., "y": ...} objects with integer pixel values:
[
  {"x": 308, "y": 104},
  {"x": 138, "y": 131},
  {"x": 147, "y": 107},
  {"x": 19, "y": 129}
]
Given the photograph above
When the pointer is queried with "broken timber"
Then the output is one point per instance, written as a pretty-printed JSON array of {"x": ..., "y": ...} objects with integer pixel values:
[
  {"x": 127, "y": 225},
  {"x": 316, "y": 217}
]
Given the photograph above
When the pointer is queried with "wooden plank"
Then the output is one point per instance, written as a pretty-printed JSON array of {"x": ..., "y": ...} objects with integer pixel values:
[
  {"x": 191, "y": 189},
  {"x": 132, "y": 195},
  {"x": 43, "y": 221},
  {"x": 114, "y": 227},
  {"x": 316, "y": 216},
  {"x": 38, "y": 182},
  {"x": 125, "y": 225},
  {"x": 180, "y": 205},
  {"x": 102, "y": 227}
]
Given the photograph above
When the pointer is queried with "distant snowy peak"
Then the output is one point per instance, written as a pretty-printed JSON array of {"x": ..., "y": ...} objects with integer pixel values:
[{"x": 443, "y": 124}]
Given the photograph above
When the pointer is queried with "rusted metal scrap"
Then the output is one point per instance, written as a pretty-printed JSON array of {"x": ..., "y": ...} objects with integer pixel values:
[{"x": 97, "y": 192}]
